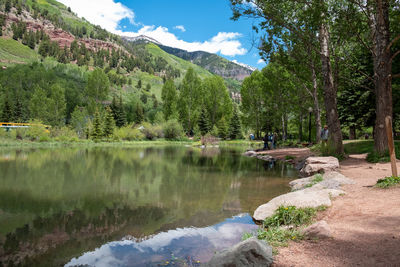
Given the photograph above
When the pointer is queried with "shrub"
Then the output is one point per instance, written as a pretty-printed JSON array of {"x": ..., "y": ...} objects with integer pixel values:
[
  {"x": 128, "y": 133},
  {"x": 37, "y": 132},
  {"x": 172, "y": 130},
  {"x": 64, "y": 134},
  {"x": 388, "y": 182},
  {"x": 290, "y": 216},
  {"x": 152, "y": 132}
]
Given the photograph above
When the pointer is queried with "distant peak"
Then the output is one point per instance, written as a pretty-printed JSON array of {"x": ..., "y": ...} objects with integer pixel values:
[
  {"x": 142, "y": 38},
  {"x": 244, "y": 65}
]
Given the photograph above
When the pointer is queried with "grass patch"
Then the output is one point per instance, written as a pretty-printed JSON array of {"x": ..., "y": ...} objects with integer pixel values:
[
  {"x": 285, "y": 225},
  {"x": 12, "y": 52},
  {"x": 317, "y": 178},
  {"x": 290, "y": 216},
  {"x": 367, "y": 146},
  {"x": 388, "y": 182}
]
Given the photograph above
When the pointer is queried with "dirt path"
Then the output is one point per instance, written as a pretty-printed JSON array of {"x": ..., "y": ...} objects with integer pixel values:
[{"x": 365, "y": 224}]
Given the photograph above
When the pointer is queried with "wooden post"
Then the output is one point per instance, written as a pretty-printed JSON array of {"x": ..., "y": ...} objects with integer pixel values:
[{"x": 392, "y": 153}]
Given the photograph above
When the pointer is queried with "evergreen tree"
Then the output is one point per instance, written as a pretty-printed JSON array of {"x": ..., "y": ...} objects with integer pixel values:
[
  {"x": 18, "y": 110},
  {"x": 6, "y": 115},
  {"x": 109, "y": 123},
  {"x": 121, "y": 121},
  {"x": 139, "y": 84},
  {"x": 139, "y": 116},
  {"x": 203, "y": 122},
  {"x": 97, "y": 132},
  {"x": 223, "y": 129},
  {"x": 235, "y": 131}
]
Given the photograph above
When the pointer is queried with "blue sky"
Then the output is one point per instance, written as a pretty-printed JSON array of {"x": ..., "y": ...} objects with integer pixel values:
[{"x": 186, "y": 24}]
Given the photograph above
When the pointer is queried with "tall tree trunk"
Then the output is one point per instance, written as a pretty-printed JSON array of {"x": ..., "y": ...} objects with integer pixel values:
[
  {"x": 301, "y": 127},
  {"x": 317, "y": 111},
  {"x": 352, "y": 132},
  {"x": 330, "y": 100},
  {"x": 380, "y": 33}
]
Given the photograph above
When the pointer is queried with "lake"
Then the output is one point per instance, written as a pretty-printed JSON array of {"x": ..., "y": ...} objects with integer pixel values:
[{"x": 135, "y": 206}]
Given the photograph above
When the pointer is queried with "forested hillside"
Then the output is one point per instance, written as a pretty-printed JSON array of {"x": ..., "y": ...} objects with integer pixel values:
[{"x": 62, "y": 70}]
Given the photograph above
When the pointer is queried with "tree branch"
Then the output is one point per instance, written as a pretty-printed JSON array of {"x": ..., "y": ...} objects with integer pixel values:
[{"x": 392, "y": 43}]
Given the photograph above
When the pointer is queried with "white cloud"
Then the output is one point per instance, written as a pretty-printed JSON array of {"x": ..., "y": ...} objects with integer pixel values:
[
  {"x": 105, "y": 13},
  {"x": 108, "y": 15},
  {"x": 180, "y": 27},
  {"x": 260, "y": 61},
  {"x": 226, "y": 43}
]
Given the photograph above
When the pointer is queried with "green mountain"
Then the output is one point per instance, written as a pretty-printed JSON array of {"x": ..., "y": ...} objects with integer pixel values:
[{"x": 73, "y": 40}]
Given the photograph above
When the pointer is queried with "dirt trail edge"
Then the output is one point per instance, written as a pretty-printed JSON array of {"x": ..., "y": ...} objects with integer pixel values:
[{"x": 365, "y": 224}]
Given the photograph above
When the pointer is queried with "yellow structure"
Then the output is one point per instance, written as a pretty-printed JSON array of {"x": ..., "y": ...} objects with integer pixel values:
[{"x": 10, "y": 125}]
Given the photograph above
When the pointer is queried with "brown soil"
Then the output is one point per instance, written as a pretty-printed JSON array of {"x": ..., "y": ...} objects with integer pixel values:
[{"x": 365, "y": 224}]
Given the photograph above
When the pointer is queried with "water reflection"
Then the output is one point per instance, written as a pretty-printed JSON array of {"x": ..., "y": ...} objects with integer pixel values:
[
  {"x": 55, "y": 204},
  {"x": 170, "y": 248}
]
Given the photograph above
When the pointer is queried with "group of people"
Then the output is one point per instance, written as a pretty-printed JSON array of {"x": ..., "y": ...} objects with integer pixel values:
[{"x": 270, "y": 137}]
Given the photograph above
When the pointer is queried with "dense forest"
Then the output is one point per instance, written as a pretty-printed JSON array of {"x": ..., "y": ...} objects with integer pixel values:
[{"x": 335, "y": 60}]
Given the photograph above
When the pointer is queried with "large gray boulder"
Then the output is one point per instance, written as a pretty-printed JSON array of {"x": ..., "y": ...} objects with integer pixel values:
[
  {"x": 251, "y": 252},
  {"x": 312, "y": 197},
  {"x": 331, "y": 180},
  {"x": 315, "y": 165}
]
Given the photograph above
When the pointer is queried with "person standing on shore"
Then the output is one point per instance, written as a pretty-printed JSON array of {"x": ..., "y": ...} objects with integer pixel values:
[
  {"x": 325, "y": 135},
  {"x": 265, "y": 139}
]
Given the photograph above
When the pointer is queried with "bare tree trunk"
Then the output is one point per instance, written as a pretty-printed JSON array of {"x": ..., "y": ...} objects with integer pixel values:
[
  {"x": 330, "y": 100},
  {"x": 380, "y": 33},
  {"x": 301, "y": 127},
  {"x": 317, "y": 111},
  {"x": 352, "y": 132},
  {"x": 283, "y": 128}
]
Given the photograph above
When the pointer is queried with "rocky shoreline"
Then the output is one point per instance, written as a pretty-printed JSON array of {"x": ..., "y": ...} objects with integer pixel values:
[{"x": 322, "y": 183}]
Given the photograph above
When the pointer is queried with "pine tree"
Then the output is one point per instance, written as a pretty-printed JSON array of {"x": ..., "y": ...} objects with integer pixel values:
[
  {"x": 121, "y": 121},
  {"x": 97, "y": 132},
  {"x": 6, "y": 115},
  {"x": 235, "y": 131},
  {"x": 223, "y": 129},
  {"x": 203, "y": 122},
  {"x": 109, "y": 123},
  {"x": 139, "y": 113},
  {"x": 139, "y": 84},
  {"x": 18, "y": 113}
]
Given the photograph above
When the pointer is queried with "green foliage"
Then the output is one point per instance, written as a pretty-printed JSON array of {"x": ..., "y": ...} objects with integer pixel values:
[
  {"x": 172, "y": 130},
  {"x": 98, "y": 86},
  {"x": 216, "y": 99},
  {"x": 235, "y": 131},
  {"x": 223, "y": 128},
  {"x": 128, "y": 133},
  {"x": 79, "y": 120},
  {"x": 6, "y": 114},
  {"x": 317, "y": 178},
  {"x": 189, "y": 100},
  {"x": 388, "y": 182},
  {"x": 37, "y": 132},
  {"x": 290, "y": 216},
  {"x": 169, "y": 97},
  {"x": 279, "y": 237},
  {"x": 97, "y": 130},
  {"x": 366, "y": 146},
  {"x": 203, "y": 122},
  {"x": 64, "y": 134},
  {"x": 152, "y": 132},
  {"x": 109, "y": 123}
]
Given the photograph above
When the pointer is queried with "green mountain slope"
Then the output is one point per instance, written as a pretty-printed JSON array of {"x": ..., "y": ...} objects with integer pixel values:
[{"x": 13, "y": 52}]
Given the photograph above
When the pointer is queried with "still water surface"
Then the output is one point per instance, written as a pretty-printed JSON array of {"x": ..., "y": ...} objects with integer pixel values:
[{"x": 140, "y": 206}]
